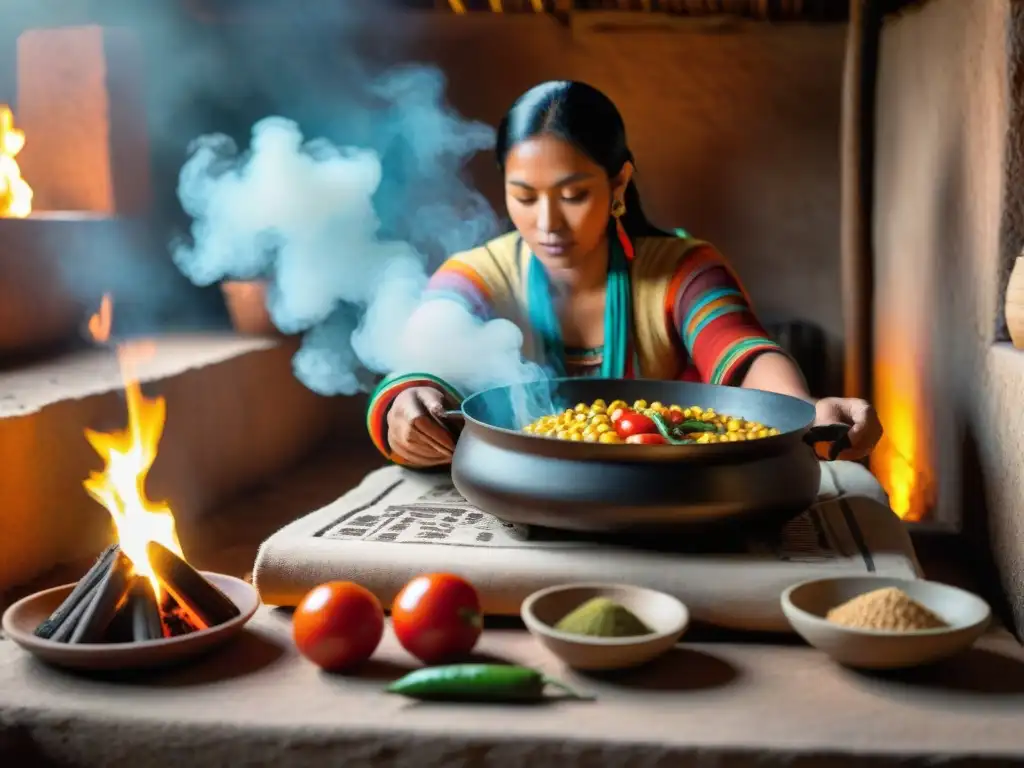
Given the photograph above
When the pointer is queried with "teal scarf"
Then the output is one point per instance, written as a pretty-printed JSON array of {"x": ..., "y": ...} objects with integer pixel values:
[{"x": 618, "y": 314}]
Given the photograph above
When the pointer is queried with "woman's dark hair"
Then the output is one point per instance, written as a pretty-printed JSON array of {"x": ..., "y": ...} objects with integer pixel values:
[{"x": 583, "y": 116}]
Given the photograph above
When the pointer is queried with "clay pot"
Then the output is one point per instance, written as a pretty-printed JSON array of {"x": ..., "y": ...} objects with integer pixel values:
[
  {"x": 247, "y": 305},
  {"x": 1014, "y": 306}
]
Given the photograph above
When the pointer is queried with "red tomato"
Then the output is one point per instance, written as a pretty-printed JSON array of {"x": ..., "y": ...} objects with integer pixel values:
[
  {"x": 635, "y": 424},
  {"x": 646, "y": 439},
  {"x": 676, "y": 417},
  {"x": 618, "y": 413},
  {"x": 338, "y": 625},
  {"x": 437, "y": 617}
]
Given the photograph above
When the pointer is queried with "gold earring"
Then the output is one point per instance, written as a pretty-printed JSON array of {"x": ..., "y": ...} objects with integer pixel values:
[{"x": 618, "y": 209}]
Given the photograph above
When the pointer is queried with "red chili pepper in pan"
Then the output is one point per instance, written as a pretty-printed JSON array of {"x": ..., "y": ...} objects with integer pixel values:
[{"x": 646, "y": 439}]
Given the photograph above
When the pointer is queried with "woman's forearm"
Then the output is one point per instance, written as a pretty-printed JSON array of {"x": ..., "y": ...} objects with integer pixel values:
[{"x": 775, "y": 372}]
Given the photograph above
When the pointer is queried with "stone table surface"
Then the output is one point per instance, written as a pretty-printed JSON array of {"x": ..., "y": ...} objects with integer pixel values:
[{"x": 257, "y": 702}]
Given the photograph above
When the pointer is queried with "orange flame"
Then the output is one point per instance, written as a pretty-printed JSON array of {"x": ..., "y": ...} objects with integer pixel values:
[
  {"x": 15, "y": 193},
  {"x": 128, "y": 456},
  {"x": 899, "y": 461}
]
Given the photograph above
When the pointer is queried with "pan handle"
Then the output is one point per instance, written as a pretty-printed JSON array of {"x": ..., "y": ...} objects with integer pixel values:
[
  {"x": 838, "y": 435},
  {"x": 456, "y": 416}
]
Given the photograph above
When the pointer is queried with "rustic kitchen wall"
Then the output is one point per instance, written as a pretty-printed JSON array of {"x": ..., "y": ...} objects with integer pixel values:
[
  {"x": 734, "y": 123},
  {"x": 948, "y": 223},
  {"x": 735, "y": 126}
]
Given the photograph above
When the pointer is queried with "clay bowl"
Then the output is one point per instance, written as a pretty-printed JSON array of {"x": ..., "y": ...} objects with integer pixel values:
[
  {"x": 666, "y": 615},
  {"x": 806, "y": 605},
  {"x": 21, "y": 619}
]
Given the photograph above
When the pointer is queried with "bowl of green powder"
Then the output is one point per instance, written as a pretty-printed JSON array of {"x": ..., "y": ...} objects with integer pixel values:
[{"x": 604, "y": 626}]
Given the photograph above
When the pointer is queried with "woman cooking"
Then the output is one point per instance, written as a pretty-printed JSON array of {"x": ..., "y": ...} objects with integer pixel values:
[{"x": 632, "y": 300}]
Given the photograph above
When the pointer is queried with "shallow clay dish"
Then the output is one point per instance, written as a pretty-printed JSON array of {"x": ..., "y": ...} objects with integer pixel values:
[
  {"x": 21, "y": 619},
  {"x": 806, "y": 605},
  {"x": 664, "y": 614}
]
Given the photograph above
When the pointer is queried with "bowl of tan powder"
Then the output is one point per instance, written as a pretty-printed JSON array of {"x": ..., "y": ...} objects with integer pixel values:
[
  {"x": 604, "y": 626},
  {"x": 884, "y": 623}
]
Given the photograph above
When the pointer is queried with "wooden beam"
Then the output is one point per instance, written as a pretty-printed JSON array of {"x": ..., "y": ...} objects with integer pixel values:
[{"x": 857, "y": 177}]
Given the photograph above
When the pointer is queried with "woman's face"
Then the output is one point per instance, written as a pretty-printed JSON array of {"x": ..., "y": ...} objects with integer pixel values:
[{"x": 559, "y": 200}]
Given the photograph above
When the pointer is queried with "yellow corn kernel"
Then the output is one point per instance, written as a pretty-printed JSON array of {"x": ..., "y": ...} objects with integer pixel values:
[
  {"x": 609, "y": 437},
  {"x": 639, "y": 405},
  {"x": 732, "y": 425},
  {"x": 600, "y": 429}
]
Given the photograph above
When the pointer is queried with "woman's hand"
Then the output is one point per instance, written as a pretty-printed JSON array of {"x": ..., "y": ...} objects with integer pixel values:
[
  {"x": 416, "y": 430},
  {"x": 865, "y": 428}
]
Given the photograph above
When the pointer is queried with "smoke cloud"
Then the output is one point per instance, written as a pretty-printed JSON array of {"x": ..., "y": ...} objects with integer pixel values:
[{"x": 345, "y": 235}]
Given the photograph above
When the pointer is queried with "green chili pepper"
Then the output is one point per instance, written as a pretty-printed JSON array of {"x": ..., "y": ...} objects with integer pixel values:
[
  {"x": 667, "y": 432},
  {"x": 476, "y": 682},
  {"x": 696, "y": 426}
]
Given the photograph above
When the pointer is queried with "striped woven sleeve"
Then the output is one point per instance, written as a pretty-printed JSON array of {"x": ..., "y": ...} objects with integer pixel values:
[
  {"x": 385, "y": 394},
  {"x": 712, "y": 314},
  {"x": 455, "y": 280}
]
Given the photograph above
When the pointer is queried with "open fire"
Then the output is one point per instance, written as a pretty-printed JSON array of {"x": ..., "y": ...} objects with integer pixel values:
[
  {"x": 15, "y": 193},
  {"x": 141, "y": 588}
]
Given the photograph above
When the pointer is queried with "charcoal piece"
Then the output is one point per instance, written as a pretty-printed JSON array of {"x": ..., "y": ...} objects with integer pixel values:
[
  {"x": 144, "y": 612},
  {"x": 205, "y": 605},
  {"x": 120, "y": 628},
  {"x": 68, "y": 625},
  {"x": 108, "y": 596},
  {"x": 79, "y": 595}
]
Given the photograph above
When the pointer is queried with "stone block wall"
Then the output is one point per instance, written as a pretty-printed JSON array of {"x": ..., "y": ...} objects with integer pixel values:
[{"x": 948, "y": 225}]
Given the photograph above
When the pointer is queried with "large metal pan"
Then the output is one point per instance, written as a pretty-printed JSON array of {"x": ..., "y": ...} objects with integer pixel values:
[{"x": 543, "y": 481}]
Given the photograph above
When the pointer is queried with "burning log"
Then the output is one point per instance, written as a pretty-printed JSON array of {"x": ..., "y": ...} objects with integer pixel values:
[
  {"x": 205, "y": 605},
  {"x": 79, "y": 595},
  {"x": 107, "y": 598},
  {"x": 112, "y": 604}
]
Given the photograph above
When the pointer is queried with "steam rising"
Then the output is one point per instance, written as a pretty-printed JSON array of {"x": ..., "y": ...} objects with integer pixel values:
[{"x": 306, "y": 215}]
